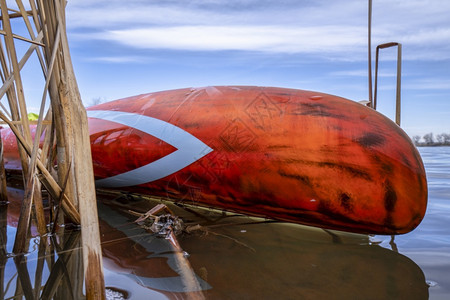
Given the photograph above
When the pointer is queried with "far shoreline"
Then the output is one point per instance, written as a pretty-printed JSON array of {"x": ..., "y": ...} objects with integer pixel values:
[{"x": 432, "y": 145}]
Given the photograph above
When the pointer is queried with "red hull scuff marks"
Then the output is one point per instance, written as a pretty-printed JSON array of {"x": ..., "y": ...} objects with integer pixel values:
[{"x": 293, "y": 155}]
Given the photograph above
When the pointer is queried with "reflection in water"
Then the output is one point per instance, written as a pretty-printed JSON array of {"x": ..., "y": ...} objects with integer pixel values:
[
  {"x": 3, "y": 241},
  {"x": 235, "y": 259},
  {"x": 429, "y": 244},
  {"x": 231, "y": 257},
  {"x": 52, "y": 268}
]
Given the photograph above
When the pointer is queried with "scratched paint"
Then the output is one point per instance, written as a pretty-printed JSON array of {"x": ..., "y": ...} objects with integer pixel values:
[{"x": 294, "y": 155}]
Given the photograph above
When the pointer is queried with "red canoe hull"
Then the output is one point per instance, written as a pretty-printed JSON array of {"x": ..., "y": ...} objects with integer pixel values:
[{"x": 287, "y": 154}]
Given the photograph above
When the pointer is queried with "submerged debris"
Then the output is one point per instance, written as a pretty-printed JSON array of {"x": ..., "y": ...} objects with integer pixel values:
[
  {"x": 164, "y": 225},
  {"x": 168, "y": 225}
]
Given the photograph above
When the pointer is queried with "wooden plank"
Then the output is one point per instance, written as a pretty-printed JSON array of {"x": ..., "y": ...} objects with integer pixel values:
[
  {"x": 41, "y": 224},
  {"x": 19, "y": 37},
  {"x": 10, "y": 79},
  {"x": 58, "y": 271},
  {"x": 30, "y": 183},
  {"x": 3, "y": 192},
  {"x": 70, "y": 124},
  {"x": 25, "y": 15},
  {"x": 17, "y": 15},
  {"x": 9, "y": 89},
  {"x": 30, "y": 122},
  {"x": 34, "y": 12},
  {"x": 16, "y": 73},
  {"x": 24, "y": 219},
  {"x": 3, "y": 243},
  {"x": 23, "y": 275},
  {"x": 47, "y": 12},
  {"x": 20, "y": 242},
  {"x": 5, "y": 110},
  {"x": 46, "y": 178},
  {"x": 48, "y": 143},
  {"x": 83, "y": 171}
]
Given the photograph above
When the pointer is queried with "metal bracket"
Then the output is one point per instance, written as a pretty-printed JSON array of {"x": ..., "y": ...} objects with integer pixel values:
[{"x": 399, "y": 78}]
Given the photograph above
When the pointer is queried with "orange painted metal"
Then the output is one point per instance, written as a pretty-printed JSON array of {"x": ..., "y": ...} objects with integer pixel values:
[{"x": 292, "y": 155}]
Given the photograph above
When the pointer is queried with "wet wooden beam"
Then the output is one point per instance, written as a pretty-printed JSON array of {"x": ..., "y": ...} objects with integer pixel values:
[
  {"x": 77, "y": 144},
  {"x": 59, "y": 270},
  {"x": 35, "y": 187},
  {"x": 23, "y": 275},
  {"x": 3, "y": 242},
  {"x": 3, "y": 191},
  {"x": 69, "y": 126}
]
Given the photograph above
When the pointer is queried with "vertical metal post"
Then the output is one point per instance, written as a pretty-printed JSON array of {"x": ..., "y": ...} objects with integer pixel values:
[
  {"x": 370, "y": 52},
  {"x": 398, "y": 94},
  {"x": 399, "y": 78}
]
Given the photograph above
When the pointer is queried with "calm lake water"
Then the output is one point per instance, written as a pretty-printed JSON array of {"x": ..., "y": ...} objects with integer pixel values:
[{"x": 237, "y": 257}]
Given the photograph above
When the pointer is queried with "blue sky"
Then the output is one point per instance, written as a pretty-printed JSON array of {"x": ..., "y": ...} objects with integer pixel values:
[{"x": 124, "y": 48}]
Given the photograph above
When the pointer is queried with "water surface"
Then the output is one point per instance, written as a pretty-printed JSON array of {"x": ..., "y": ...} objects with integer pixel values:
[{"x": 231, "y": 256}]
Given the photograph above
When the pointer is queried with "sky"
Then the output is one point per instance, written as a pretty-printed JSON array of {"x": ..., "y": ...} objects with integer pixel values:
[{"x": 125, "y": 48}]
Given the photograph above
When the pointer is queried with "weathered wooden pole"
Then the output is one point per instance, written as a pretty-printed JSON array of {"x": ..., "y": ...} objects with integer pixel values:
[
  {"x": 3, "y": 192},
  {"x": 72, "y": 131},
  {"x": 3, "y": 241},
  {"x": 19, "y": 113},
  {"x": 69, "y": 130}
]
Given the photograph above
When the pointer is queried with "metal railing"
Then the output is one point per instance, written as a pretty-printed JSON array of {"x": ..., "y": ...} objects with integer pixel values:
[{"x": 399, "y": 78}]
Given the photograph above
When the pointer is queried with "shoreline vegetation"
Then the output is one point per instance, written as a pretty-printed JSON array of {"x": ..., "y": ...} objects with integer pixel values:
[{"x": 429, "y": 140}]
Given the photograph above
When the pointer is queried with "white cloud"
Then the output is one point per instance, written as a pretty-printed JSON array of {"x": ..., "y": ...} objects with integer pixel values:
[
  {"x": 117, "y": 59},
  {"x": 115, "y": 14},
  {"x": 319, "y": 39},
  {"x": 360, "y": 73},
  {"x": 336, "y": 28},
  {"x": 429, "y": 84}
]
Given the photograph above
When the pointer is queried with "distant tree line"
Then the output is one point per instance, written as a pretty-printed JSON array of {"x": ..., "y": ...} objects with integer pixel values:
[{"x": 428, "y": 139}]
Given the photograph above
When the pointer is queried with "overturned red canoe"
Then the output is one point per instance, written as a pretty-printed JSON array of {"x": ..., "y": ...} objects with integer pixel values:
[{"x": 287, "y": 154}]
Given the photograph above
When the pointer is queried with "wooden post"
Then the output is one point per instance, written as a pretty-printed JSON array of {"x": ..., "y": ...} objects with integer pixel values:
[
  {"x": 69, "y": 122},
  {"x": 69, "y": 109},
  {"x": 46, "y": 178},
  {"x": 24, "y": 219},
  {"x": 59, "y": 269},
  {"x": 3, "y": 241},
  {"x": 3, "y": 192}
]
